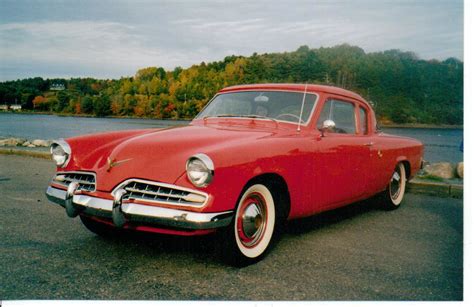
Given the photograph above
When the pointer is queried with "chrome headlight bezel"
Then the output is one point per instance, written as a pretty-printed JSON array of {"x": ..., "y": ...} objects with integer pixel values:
[
  {"x": 60, "y": 152},
  {"x": 200, "y": 163}
]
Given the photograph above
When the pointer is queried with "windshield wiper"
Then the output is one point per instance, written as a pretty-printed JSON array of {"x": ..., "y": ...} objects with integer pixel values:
[
  {"x": 259, "y": 116},
  {"x": 243, "y": 115},
  {"x": 221, "y": 115}
]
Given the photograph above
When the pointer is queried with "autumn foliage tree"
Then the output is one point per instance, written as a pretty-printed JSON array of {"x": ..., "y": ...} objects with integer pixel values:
[
  {"x": 402, "y": 87},
  {"x": 40, "y": 103}
]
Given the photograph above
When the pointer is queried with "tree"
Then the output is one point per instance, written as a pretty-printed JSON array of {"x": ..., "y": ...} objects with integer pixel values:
[
  {"x": 40, "y": 103},
  {"x": 405, "y": 87},
  {"x": 63, "y": 101},
  {"x": 101, "y": 105},
  {"x": 87, "y": 105}
]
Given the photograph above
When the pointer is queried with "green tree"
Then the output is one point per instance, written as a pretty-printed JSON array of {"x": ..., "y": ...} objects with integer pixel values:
[
  {"x": 87, "y": 105},
  {"x": 101, "y": 105}
]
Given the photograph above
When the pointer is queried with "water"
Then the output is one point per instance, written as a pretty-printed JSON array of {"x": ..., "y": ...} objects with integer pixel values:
[
  {"x": 36, "y": 126},
  {"x": 440, "y": 144}
]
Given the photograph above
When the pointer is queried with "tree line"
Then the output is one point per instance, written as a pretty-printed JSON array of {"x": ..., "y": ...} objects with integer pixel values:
[{"x": 402, "y": 87}]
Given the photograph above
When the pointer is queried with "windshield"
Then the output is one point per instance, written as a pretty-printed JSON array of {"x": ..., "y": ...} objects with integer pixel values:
[{"x": 277, "y": 105}]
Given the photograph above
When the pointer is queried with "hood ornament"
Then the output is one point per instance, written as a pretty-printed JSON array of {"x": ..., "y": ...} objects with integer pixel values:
[{"x": 113, "y": 162}]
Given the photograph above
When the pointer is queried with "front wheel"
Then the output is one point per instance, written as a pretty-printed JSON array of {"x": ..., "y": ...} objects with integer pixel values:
[
  {"x": 395, "y": 191},
  {"x": 248, "y": 237}
]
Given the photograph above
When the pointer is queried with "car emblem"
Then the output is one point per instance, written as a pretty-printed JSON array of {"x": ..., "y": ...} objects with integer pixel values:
[{"x": 112, "y": 163}]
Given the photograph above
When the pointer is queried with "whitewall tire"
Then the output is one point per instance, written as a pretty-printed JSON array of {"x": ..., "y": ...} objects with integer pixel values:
[
  {"x": 255, "y": 221},
  {"x": 396, "y": 188},
  {"x": 252, "y": 230}
]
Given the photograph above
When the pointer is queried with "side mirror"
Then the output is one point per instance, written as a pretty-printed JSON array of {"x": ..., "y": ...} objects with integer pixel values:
[{"x": 328, "y": 125}]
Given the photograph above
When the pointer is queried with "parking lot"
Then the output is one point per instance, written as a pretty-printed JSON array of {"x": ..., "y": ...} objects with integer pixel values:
[{"x": 354, "y": 253}]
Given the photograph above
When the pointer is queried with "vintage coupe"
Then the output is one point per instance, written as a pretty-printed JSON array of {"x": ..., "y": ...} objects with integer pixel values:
[{"x": 256, "y": 156}]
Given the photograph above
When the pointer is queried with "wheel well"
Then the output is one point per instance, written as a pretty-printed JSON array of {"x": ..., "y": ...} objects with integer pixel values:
[
  {"x": 277, "y": 185},
  {"x": 407, "y": 168}
]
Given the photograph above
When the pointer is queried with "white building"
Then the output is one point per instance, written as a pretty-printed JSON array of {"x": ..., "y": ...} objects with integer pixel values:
[
  {"x": 57, "y": 87},
  {"x": 15, "y": 107}
]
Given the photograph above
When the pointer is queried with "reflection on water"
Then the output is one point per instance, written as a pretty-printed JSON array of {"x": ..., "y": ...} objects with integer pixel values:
[{"x": 440, "y": 144}]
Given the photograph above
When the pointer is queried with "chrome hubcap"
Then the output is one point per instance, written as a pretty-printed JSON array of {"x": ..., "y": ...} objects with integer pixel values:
[
  {"x": 252, "y": 220},
  {"x": 395, "y": 184}
]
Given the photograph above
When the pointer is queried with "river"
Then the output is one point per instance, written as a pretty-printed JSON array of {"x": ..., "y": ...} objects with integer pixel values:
[{"x": 440, "y": 144}]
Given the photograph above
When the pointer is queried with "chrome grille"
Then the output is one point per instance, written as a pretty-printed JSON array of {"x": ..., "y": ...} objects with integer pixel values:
[
  {"x": 86, "y": 180},
  {"x": 162, "y": 193}
]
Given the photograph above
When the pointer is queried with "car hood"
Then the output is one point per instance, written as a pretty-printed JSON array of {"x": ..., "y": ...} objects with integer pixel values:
[{"x": 161, "y": 155}]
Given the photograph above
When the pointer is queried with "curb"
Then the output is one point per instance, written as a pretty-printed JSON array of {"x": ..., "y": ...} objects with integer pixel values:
[
  {"x": 28, "y": 153},
  {"x": 440, "y": 189}
]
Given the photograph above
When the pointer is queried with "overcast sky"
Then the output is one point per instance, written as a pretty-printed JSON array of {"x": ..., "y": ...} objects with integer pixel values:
[{"x": 110, "y": 39}]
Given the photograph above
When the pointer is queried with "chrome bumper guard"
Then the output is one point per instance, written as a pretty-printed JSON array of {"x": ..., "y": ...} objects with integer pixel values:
[{"x": 121, "y": 212}]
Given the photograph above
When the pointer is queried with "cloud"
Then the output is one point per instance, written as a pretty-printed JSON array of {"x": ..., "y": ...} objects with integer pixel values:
[
  {"x": 235, "y": 25},
  {"x": 107, "y": 46},
  {"x": 112, "y": 39}
]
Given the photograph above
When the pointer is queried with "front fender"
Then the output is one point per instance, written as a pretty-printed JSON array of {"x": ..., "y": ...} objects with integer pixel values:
[
  {"x": 89, "y": 150},
  {"x": 235, "y": 167}
]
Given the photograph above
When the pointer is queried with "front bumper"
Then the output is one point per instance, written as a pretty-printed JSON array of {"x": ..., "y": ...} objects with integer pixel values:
[{"x": 137, "y": 213}]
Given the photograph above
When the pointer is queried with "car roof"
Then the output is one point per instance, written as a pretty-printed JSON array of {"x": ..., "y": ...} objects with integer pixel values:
[{"x": 295, "y": 87}]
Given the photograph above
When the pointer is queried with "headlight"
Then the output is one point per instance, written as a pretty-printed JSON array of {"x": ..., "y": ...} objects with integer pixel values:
[
  {"x": 60, "y": 152},
  {"x": 200, "y": 170}
]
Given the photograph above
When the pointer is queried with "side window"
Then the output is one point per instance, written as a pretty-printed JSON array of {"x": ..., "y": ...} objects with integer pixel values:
[
  {"x": 363, "y": 120},
  {"x": 341, "y": 113},
  {"x": 325, "y": 113}
]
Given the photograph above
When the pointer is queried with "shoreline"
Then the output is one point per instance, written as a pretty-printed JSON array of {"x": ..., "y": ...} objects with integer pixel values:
[
  {"x": 93, "y": 116},
  {"x": 422, "y": 126},
  {"x": 407, "y": 125}
]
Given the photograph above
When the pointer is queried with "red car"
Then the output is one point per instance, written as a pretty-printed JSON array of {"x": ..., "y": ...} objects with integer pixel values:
[{"x": 256, "y": 156}]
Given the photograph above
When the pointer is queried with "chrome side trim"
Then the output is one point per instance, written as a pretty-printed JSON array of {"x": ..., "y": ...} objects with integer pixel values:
[{"x": 145, "y": 214}]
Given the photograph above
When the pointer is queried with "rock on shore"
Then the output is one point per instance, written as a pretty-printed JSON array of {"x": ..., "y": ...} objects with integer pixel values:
[
  {"x": 25, "y": 142},
  {"x": 444, "y": 170},
  {"x": 12, "y": 142},
  {"x": 41, "y": 143},
  {"x": 460, "y": 169}
]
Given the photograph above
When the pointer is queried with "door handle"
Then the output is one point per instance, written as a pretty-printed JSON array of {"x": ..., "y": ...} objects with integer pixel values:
[{"x": 369, "y": 144}]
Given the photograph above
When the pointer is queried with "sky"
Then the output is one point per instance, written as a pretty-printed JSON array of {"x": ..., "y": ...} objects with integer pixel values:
[{"x": 110, "y": 39}]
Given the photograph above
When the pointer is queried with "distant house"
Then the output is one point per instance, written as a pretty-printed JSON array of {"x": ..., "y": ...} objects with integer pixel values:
[
  {"x": 3, "y": 107},
  {"x": 57, "y": 87},
  {"x": 15, "y": 107}
]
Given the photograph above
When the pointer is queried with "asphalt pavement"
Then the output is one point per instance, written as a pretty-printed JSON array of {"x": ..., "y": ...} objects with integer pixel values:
[{"x": 355, "y": 253}]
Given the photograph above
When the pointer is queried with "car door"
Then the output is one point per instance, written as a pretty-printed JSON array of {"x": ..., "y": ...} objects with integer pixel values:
[
  {"x": 342, "y": 155},
  {"x": 374, "y": 164}
]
